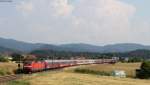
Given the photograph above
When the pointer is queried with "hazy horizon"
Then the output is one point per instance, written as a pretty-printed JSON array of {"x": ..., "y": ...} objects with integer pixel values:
[
  {"x": 72, "y": 43},
  {"x": 96, "y": 22}
]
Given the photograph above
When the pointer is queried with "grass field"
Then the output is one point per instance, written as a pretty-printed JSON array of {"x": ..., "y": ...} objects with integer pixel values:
[{"x": 68, "y": 77}]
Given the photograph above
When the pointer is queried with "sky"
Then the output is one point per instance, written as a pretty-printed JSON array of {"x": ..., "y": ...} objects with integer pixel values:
[{"x": 97, "y": 22}]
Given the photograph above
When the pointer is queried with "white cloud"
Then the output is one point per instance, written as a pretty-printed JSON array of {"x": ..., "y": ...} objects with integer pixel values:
[
  {"x": 61, "y": 7},
  {"x": 106, "y": 20},
  {"x": 89, "y": 21},
  {"x": 56, "y": 7},
  {"x": 25, "y": 7}
]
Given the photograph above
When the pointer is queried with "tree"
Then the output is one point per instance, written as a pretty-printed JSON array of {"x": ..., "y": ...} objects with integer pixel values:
[
  {"x": 144, "y": 71},
  {"x": 17, "y": 57},
  {"x": 135, "y": 59},
  {"x": 3, "y": 59}
]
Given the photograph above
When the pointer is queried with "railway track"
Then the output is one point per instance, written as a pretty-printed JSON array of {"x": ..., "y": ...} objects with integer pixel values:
[{"x": 4, "y": 79}]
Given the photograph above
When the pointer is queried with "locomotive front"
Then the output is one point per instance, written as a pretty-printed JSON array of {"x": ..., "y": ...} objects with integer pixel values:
[{"x": 27, "y": 66}]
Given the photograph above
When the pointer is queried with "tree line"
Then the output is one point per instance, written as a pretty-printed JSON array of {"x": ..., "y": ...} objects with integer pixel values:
[{"x": 133, "y": 56}]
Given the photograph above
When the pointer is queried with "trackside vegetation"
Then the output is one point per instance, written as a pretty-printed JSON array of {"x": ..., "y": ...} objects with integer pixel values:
[
  {"x": 4, "y": 72},
  {"x": 3, "y": 59},
  {"x": 18, "y": 82},
  {"x": 89, "y": 71}
]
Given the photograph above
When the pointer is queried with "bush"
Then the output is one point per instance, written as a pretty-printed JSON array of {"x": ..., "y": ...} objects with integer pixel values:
[
  {"x": 144, "y": 71},
  {"x": 4, "y": 72},
  {"x": 88, "y": 71},
  {"x": 135, "y": 59},
  {"x": 19, "y": 71},
  {"x": 17, "y": 57},
  {"x": 3, "y": 59},
  {"x": 21, "y": 82}
]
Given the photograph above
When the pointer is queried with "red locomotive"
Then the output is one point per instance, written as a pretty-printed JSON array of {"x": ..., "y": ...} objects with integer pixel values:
[{"x": 34, "y": 66}]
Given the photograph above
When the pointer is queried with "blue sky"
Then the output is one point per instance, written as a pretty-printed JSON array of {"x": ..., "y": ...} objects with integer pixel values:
[{"x": 96, "y": 22}]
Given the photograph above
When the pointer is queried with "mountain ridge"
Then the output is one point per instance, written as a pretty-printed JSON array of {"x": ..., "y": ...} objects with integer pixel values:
[{"x": 74, "y": 47}]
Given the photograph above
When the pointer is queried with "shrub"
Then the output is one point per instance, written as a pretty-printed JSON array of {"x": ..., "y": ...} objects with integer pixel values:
[
  {"x": 18, "y": 71},
  {"x": 3, "y": 59},
  {"x": 20, "y": 82},
  {"x": 17, "y": 57},
  {"x": 4, "y": 72},
  {"x": 144, "y": 71},
  {"x": 135, "y": 59},
  {"x": 88, "y": 71}
]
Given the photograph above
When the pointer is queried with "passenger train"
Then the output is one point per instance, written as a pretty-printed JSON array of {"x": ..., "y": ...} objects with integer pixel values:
[{"x": 35, "y": 66}]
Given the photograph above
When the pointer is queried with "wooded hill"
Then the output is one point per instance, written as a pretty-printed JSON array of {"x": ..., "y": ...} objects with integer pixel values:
[{"x": 142, "y": 54}]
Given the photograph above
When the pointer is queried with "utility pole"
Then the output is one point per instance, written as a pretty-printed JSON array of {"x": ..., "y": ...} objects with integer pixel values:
[{"x": 19, "y": 64}]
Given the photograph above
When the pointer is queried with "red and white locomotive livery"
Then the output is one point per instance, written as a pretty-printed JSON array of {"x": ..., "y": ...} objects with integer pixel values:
[{"x": 34, "y": 66}]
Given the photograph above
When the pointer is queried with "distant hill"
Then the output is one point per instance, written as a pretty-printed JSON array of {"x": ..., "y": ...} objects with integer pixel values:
[
  {"x": 18, "y": 45},
  {"x": 79, "y": 47},
  {"x": 73, "y": 47},
  {"x": 125, "y": 47},
  {"x": 4, "y": 50},
  {"x": 142, "y": 54}
]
